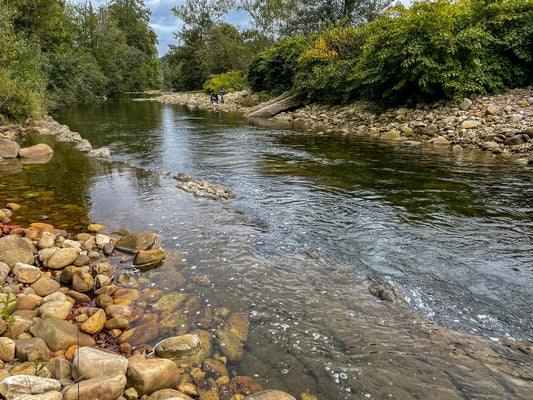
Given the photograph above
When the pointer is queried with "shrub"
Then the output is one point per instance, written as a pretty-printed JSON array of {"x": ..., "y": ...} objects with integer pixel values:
[
  {"x": 232, "y": 81},
  {"x": 274, "y": 69},
  {"x": 17, "y": 100}
]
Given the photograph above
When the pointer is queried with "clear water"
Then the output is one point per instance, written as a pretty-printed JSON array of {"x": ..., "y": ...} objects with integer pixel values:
[{"x": 451, "y": 231}]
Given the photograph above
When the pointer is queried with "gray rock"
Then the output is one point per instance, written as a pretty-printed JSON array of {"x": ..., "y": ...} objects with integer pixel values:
[
  {"x": 9, "y": 148},
  {"x": 102, "y": 152},
  {"x": 183, "y": 177},
  {"x": 59, "y": 334},
  {"x": 104, "y": 387},
  {"x": 148, "y": 376},
  {"x": 91, "y": 362},
  {"x": 55, "y": 309},
  {"x": 17, "y": 385},
  {"x": 4, "y": 272},
  {"x": 84, "y": 145},
  {"x": 32, "y": 349},
  {"x": 14, "y": 249},
  {"x": 26, "y": 274},
  {"x": 517, "y": 139},
  {"x": 465, "y": 104}
]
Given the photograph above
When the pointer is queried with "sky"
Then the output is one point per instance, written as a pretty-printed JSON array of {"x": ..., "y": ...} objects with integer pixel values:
[{"x": 165, "y": 23}]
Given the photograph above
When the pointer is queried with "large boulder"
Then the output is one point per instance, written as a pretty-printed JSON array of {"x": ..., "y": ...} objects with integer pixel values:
[
  {"x": 9, "y": 149},
  {"x": 59, "y": 334},
  {"x": 89, "y": 362},
  {"x": 104, "y": 387},
  {"x": 39, "y": 150},
  {"x": 148, "y": 376},
  {"x": 14, "y": 249}
]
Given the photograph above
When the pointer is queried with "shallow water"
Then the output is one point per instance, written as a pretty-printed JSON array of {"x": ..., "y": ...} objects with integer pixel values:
[{"x": 451, "y": 231}]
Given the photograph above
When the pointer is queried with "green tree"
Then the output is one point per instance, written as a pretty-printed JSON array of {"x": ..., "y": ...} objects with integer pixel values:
[{"x": 312, "y": 15}]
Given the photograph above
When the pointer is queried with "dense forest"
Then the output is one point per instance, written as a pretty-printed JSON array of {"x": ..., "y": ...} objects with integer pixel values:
[{"x": 55, "y": 52}]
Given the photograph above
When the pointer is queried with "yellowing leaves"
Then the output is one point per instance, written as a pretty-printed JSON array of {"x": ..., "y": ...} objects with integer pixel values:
[{"x": 320, "y": 52}]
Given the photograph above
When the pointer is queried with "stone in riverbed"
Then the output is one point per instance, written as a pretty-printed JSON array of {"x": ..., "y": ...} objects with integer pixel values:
[
  {"x": 59, "y": 334},
  {"x": 82, "y": 281},
  {"x": 148, "y": 376},
  {"x": 191, "y": 348},
  {"x": 91, "y": 362},
  {"x": 7, "y": 349},
  {"x": 55, "y": 309},
  {"x": 4, "y": 272},
  {"x": 102, "y": 152},
  {"x": 61, "y": 258},
  {"x": 26, "y": 274},
  {"x": 95, "y": 323},
  {"x": 171, "y": 301},
  {"x": 470, "y": 124},
  {"x": 140, "y": 334},
  {"x": 17, "y": 386},
  {"x": 28, "y": 302},
  {"x": 39, "y": 150},
  {"x": 32, "y": 349},
  {"x": 149, "y": 257},
  {"x": 44, "y": 286},
  {"x": 14, "y": 249},
  {"x": 133, "y": 242},
  {"x": 238, "y": 324},
  {"x": 104, "y": 387},
  {"x": 229, "y": 345},
  {"x": 9, "y": 148},
  {"x": 270, "y": 395},
  {"x": 167, "y": 394}
]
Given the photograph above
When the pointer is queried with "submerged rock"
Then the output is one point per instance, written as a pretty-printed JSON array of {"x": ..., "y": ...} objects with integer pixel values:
[
  {"x": 134, "y": 242},
  {"x": 203, "y": 188}
]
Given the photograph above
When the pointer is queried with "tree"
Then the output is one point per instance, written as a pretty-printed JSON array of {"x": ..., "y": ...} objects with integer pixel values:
[
  {"x": 267, "y": 16},
  {"x": 312, "y": 15},
  {"x": 202, "y": 14}
]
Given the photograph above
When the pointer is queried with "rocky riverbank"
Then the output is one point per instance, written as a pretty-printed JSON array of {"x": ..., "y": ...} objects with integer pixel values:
[
  {"x": 500, "y": 124},
  {"x": 76, "y": 324}
]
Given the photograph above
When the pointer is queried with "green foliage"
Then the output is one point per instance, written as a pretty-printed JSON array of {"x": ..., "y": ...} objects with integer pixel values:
[
  {"x": 433, "y": 50},
  {"x": 274, "y": 69},
  {"x": 8, "y": 306},
  {"x": 231, "y": 81}
]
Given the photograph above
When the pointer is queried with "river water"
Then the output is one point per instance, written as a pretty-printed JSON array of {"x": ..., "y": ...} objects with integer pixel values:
[{"x": 452, "y": 232}]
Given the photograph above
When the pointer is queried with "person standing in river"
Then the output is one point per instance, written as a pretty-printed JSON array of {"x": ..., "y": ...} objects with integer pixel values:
[{"x": 222, "y": 94}]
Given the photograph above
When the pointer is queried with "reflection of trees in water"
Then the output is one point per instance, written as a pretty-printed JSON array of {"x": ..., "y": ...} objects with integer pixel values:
[{"x": 56, "y": 191}]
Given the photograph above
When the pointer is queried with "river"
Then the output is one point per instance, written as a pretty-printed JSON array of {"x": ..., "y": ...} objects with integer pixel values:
[{"x": 451, "y": 231}]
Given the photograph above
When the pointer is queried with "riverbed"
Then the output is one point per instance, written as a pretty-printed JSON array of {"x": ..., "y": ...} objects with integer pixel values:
[{"x": 450, "y": 231}]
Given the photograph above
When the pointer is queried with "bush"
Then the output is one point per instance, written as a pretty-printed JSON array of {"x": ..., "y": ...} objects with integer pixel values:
[
  {"x": 232, "y": 81},
  {"x": 274, "y": 69},
  {"x": 18, "y": 101},
  {"x": 433, "y": 50}
]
